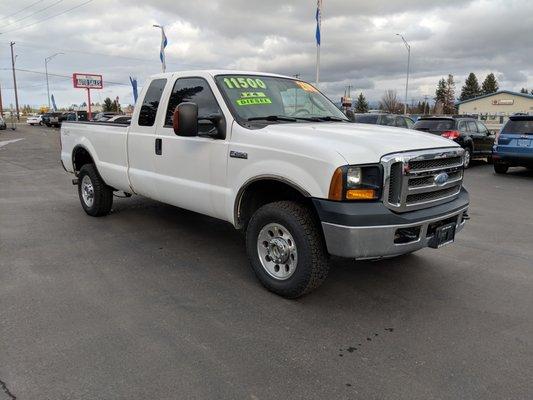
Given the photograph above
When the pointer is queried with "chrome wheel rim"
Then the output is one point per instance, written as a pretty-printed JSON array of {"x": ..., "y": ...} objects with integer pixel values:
[
  {"x": 277, "y": 251},
  {"x": 87, "y": 191},
  {"x": 467, "y": 158}
]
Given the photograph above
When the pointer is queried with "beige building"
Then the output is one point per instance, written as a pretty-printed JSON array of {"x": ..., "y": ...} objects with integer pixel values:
[{"x": 494, "y": 109}]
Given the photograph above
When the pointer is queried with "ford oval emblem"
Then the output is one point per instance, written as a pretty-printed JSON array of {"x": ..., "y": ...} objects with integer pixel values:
[{"x": 441, "y": 179}]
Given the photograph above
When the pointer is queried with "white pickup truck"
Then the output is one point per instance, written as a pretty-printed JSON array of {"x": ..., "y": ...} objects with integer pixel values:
[{"x": 274, "y": 157}]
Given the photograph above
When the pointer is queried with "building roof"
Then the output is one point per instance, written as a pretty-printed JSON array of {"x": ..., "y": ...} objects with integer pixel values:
[{"x": 527, "y": 96}]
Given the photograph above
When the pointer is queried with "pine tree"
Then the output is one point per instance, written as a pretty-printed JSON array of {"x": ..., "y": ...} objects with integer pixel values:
[
  {"x": 440, "y": 93},
  {"x": 490, "y": 84},
  {"x": 361, "y": 105},
  {"x": 449, "y": 102},
  {"x": 471, "y": 88},
  {"x": 524, "y": 90},
  {"x": 108, "y": 105}
]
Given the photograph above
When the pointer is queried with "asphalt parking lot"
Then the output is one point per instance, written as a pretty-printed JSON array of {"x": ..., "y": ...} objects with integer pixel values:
[{"x": 160, "y": 303}]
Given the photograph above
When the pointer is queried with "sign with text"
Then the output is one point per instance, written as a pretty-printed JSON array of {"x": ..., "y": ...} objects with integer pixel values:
[{"x": 87, "y": 81}]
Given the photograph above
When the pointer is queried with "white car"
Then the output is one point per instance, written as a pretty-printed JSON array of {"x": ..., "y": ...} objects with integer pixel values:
[
  {"x": 277, "y": 159},
  {"x": 34, "y": 120}
]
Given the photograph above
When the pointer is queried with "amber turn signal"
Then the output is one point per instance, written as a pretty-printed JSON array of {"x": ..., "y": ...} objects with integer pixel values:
[
  {"x": 361, "y": 194},
  {"x": 336, "y": 185}
]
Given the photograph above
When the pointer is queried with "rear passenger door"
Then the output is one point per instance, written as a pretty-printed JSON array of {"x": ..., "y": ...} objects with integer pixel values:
[
  {"x": 142, "y": 141},
  {"x": 486, "y": 137},
  {"x": 477, "y": 137}
]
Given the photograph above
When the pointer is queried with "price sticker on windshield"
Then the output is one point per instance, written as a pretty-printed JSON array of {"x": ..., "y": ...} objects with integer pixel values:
[
  {"x": 244, "y": 83},
  {"x": 253, "y": 101},
  {"x": 306, "y": 86}
]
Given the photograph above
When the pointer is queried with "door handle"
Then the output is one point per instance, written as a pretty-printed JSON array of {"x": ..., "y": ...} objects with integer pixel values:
[{"x": 159, "y": 146}]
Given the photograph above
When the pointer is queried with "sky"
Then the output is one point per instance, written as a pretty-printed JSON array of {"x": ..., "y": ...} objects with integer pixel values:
[{"x": 359, "y": 43}]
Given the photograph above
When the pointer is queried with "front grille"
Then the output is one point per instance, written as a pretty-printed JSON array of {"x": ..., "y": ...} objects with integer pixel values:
[
  {"x": 435, "y": 163},
  {"x": 429, "y": 196},
  {"x": 422, "y": 179}
]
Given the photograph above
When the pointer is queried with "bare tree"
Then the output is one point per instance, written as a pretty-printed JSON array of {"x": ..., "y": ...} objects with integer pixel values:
[{"x": 390, "y": 103}]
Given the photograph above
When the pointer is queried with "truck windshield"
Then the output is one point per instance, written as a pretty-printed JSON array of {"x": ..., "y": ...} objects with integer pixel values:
[{"x": 273, "y": 99}]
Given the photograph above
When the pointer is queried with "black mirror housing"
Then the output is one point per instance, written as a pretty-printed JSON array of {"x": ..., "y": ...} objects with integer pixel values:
[{"x": 185, "y": 120}]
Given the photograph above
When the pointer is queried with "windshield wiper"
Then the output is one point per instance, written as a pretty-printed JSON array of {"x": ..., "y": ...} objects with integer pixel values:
[
  {"x": 320, "y": 119},
  {"x": 272, "y": 118}
]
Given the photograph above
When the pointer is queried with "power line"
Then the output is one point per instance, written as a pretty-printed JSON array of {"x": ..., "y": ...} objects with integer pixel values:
[
  {"x": 46, "y": 19},
  {"x": 22, "y": 9},
  {"x": 59, "y": 75},
  {"x": 33, "y": 13},
  {"x": 82, "y": 52}
]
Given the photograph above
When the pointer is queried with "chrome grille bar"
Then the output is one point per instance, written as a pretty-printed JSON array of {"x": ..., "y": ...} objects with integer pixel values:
[{"x": 421, "y": 179}]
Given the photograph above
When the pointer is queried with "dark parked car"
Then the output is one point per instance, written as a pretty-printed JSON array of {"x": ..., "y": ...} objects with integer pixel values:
[
  {"x": 400, "y": 121},
  {"x": 514, "y": 144},
  {"x": 469, "y": 133},
  {"x": 75, "y": 116}
]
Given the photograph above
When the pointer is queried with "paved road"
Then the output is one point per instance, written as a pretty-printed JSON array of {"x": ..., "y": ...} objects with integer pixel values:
[{"x": 154, "y": 302}]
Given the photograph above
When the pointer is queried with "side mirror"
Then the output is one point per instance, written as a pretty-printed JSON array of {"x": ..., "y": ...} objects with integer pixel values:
[{"x": 185, "y": 119}]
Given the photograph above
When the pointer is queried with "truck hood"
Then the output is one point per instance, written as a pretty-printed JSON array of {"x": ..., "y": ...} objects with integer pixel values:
[{"x": 360, "y": 143}]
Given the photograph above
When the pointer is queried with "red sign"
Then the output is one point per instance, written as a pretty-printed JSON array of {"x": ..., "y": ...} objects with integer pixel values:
[{"x": 87, "y": 81}]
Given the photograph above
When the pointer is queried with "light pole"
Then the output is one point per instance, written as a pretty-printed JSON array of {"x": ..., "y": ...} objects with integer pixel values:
[
  {"x": 408, "y": 47},
  {"x": 46, "y": 60}
]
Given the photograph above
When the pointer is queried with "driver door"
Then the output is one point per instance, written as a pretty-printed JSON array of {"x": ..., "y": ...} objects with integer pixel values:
[{"x": 191, "y": 171}]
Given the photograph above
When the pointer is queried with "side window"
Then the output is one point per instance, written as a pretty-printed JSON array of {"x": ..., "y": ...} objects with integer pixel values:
[
  {"x": 482, "y": 128},
  {"x": 387, "y": 120},
  {"x": 400, "y": 122},
  {"x": 195, "y": 90},
  {"x": 409, "y": 123},
  {"x": 472, "y": 126},
  {"x": 151, "y": 102},
  {"x": 462, "y": 126}
]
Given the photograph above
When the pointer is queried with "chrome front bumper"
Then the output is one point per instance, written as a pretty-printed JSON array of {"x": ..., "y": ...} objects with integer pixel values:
[{"x": 372, "y": 242}]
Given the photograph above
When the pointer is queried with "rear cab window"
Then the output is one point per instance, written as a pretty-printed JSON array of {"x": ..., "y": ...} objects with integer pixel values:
[
  {"x": 151, "y": 101},
  {"x": 366, "y": 119},
  {"x": 434, "y": 125}
]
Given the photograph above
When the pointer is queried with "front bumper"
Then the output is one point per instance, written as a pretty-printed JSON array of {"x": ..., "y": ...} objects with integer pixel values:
[{"x": 370, "y": 230}]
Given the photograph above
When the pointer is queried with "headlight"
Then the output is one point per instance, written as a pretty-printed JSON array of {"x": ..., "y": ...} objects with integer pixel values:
[{"x": 356, "y": 183}]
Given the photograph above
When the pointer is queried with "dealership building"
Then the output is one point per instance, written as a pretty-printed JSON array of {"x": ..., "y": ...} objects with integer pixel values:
[{"x": 495, "y": 108}]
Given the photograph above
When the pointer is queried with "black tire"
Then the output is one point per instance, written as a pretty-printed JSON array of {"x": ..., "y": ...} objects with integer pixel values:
[
  {"x": 468, "y": 157},
  {"x": 500, "y": 168},
  {"x": 102, "y": 195},
  {"x": 312, "y": 264}
]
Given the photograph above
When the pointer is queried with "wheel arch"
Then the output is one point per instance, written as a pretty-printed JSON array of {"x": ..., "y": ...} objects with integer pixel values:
[
  {"x": 259, "y": 190},
  {"x": 81, "y": 156}
]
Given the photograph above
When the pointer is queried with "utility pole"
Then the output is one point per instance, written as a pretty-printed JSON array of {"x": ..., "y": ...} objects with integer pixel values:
[
  {"x": 408, "y": 47},
  {"x": 1, "y": 106},
  {"x": 15, "y": 80}
]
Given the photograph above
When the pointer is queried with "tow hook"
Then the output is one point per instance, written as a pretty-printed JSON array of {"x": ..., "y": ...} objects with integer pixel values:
[{"x": 75, "y": 181}]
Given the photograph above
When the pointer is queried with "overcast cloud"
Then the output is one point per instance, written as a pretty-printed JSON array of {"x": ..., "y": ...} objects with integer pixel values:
[{"x": 359, "y": 46}]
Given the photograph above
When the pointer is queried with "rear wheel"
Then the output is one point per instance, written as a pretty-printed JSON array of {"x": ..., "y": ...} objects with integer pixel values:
[
  {"x": 95, "y": 196},
  {"x": 286, "y": 250},
  {"x": 500, "y": 168}
]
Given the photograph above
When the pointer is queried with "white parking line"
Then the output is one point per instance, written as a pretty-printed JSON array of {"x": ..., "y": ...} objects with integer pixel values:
[{"x": 6, "y": 142}]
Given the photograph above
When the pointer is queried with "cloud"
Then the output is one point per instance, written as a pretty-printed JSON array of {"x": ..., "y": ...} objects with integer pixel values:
[{"x": 359, "y": 45}]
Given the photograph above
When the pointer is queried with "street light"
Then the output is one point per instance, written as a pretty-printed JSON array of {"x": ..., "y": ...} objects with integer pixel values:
[
  {"x": 46, "y": 60},
  {"x": 408, "y": 47}
]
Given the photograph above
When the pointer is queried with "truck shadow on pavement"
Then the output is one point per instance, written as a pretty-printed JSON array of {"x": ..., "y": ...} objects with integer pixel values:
[{"x": 215, "y": 245}]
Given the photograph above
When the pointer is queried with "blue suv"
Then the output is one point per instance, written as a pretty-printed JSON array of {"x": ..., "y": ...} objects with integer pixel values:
[{"x": 514, "y": 145}]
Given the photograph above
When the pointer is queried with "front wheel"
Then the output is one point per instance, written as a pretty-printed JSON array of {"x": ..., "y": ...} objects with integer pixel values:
[
  {"x": 286, "y": 249},
  {"x": 95, "y": 196}
]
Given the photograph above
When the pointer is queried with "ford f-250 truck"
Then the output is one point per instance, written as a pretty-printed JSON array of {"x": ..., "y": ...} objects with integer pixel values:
[{"x": 274, "y": 157}]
